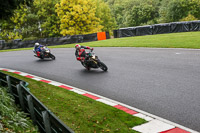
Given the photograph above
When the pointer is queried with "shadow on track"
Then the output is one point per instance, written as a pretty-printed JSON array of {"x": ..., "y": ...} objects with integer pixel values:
[
  {"x": 92, "y": 72},
  {"x": 43, "y": 60}
]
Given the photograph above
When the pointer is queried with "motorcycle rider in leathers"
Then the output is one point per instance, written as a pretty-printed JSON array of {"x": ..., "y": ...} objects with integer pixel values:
[
  {"x": 37, "y": 49},
  {"x": 80, "y": 53}
]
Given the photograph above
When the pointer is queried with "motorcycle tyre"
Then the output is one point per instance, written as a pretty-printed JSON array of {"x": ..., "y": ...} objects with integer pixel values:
[
  {"x": 88, "y": 68},
  {"x": 52, "y": 56},
  {"x": 41, "y": 57},
  {"x": 103, "y": 66}
]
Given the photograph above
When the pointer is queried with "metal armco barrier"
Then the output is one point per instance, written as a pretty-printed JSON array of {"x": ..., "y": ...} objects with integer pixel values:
[{"x": 46, "y": 121}]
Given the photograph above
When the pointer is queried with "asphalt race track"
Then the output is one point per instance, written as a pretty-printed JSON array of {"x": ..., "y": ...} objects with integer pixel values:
[{"x": 163, "y": 82}]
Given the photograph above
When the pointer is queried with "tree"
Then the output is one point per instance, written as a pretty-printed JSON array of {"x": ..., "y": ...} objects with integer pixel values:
[
  {"x": 8, "y": 6},
  {"x": 140, "y": 14},
  {"x": 6, "y": 27},
  {"x": 38, "y": 20},
  {"x": 78, "y": 17},
  {"x": 195, "y": 8},
  {"x": 48, "y": 20},
  {"x": 134, "y": 12},
  {"x": 117, "y": 8},
  {"x": 189, "y": 18},
  {"x": 26, "y": 21},
  {"x": 104, "y": 13},
  {"x": 176, "y": 10}
]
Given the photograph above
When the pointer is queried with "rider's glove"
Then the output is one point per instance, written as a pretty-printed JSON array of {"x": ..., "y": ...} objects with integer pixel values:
[{"x": 78, "y": 58}]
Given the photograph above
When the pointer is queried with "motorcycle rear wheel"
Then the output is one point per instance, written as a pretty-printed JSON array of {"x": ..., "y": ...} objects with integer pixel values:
[
  {"x": 41, "y": 57},
  {"x": 87, "y": 67}
]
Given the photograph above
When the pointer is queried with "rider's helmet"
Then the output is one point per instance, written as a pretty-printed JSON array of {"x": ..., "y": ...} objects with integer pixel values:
[
  {"x": 77, "y": 46},
  {"x": 37, "y": 44}
]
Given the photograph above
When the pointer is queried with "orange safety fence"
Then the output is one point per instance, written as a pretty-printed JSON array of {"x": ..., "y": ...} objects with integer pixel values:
[{"x": 101, "y": 35}]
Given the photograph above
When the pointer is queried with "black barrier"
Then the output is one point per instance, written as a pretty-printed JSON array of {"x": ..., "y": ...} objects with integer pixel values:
[
  {"x": 49, "y": 40},
  {"x": 179, "y": 27},
  {"x": 52, "y": 41},
  {"x": 161, "y": 28},
  {"x": 90, "y": 37},
  {"x": 195, "y": 25},
  {"x": 127, "y": 32},
  {"x": 158, "y": 29},
  {"x": 144, "y": 30},
  {"x": 107, "y": 35},
  {"x": 64, "y": 40},
  {"x": 31, "y": 43},
  {"x": 116, "y": 33},
  {"x": 55, "y": 40},
  {"x": 2, "y": 44},
  {"x": 76, "y": 39},
  {"x": 22, "y": 44}
]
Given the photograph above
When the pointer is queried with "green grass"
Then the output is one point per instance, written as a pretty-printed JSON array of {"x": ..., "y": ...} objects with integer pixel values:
[
  {"x": 12, "y": 119},
  {"x": 80, "y": 113},
  {"x": 173, "y": 40}
]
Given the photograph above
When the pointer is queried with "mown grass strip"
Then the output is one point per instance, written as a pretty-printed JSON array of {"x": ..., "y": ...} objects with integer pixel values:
[
  {"x": 172, "y": 40},
  {"x": 80, "y": 113}
]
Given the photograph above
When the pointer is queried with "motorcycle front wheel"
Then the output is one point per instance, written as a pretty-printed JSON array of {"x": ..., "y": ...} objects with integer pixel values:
[
  {"x": 52, "y": 56},
  {"x": 103, "y": 66}
]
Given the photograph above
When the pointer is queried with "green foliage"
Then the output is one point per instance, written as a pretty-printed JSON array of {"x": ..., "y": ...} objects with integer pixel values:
[
  {"x": 48, "y": 19},
  {"x": 30, "y": 38},
  {"x": 175, "y": 10},
  {"x": 118, "y": 11},
  {"x": 141, "y": 13},
  {"x": 194, "y": 8},
  {"x": 189, "y": 18},
  {"x": 78, "y": 17},
  {"x": 8, "y": 6},
  {"x": 6, "y": 27},
  {"x": 53, "y": 18},
  {"x": 104, "y": 13},
  {"x": 134, "y": 12},
  {"x": 12, "y": 118},
  {"x": 26, "y": 21},
  {"x": 10, "y": 35},
  {"x": 39, "y": 20}
]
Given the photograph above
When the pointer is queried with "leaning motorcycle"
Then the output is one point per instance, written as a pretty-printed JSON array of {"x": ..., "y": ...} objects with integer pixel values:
[
  {"x": 45, "y": 53},
  {"x": 92, "y": 61}
]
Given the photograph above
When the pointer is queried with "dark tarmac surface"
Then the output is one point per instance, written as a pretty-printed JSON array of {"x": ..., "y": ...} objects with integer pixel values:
[{"x": 163, "y": 82}]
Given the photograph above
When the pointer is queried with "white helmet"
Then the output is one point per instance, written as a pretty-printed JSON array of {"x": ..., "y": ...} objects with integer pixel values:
[{"x": 37, "y": 44}]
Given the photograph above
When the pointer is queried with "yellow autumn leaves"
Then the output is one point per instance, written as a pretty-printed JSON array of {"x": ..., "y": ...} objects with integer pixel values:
[
  {"x": 78, "y": 17},
  {"x": 53, "y": 18}
]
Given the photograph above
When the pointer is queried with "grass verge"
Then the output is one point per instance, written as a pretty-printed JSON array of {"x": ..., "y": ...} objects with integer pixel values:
[
  {"x": 81, "y": 113},
  {"x": 12, "y": 119},
  {"x": 172, "y": 40}
]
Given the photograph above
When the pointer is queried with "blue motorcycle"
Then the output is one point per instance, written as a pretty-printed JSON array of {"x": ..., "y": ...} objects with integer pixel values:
[{"x": 45, "y": 53}]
